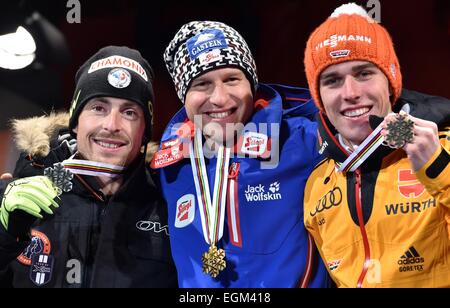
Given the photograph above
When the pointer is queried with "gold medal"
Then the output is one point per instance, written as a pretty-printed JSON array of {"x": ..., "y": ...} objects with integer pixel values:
[{"x": 213, "y": 261}]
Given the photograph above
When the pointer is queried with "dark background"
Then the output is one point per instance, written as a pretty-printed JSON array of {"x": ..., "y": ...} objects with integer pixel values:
[{"x": 275, "y": 30}]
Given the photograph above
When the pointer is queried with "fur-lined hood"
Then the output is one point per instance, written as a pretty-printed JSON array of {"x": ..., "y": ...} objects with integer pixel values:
[{"x": 33, "y": 135}]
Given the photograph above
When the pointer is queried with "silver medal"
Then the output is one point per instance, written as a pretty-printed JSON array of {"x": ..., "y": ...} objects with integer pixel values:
[{"x": 60, "y": 176}]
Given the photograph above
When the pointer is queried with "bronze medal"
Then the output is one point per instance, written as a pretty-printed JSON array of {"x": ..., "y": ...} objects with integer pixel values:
[
  {"x": 213, "y": 261},
  {"x": 400, "y": 131}
]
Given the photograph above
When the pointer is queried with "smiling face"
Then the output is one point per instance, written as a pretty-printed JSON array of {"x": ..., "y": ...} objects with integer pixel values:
[
  {"x": 220, "y": 97},
  {"x": 350, "y": 92},
  {"x": 110, "y": 130}
]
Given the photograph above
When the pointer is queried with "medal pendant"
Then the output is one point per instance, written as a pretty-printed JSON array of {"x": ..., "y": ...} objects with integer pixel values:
[
  {"x": 400, "y": 132},
  {"x": 213, "y": 261},
  {"x": 60, "y": 177}
]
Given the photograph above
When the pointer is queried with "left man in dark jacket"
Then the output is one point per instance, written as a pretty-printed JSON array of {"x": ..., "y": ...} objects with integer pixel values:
[{"x": 95, "y": 219}]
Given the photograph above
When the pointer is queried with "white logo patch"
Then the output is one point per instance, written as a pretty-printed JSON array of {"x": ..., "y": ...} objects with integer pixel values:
[
  {"x": 119, "y": 78},
  {"x": 185, "y": 211},
  {"x": 254, "y": 143},
  {"x": 340, "y": 53},
  {"x": 212, "y": 56}
]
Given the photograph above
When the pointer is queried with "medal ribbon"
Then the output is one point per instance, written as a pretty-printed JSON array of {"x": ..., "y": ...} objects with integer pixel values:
[
  {"x": 212, "y": 213},
  {"x": 369, "y": 145},
  {"x": 92, "y": 168}
]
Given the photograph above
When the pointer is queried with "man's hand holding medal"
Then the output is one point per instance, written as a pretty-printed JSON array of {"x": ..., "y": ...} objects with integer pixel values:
[{"x": 418, "y": 138}]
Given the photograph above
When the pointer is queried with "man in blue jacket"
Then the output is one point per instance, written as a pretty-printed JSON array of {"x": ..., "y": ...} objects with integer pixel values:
[{"x": 234, "y": 162}]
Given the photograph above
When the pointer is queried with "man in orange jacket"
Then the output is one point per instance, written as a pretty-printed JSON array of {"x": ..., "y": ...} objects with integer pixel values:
[{"x": 380, "y": 215}]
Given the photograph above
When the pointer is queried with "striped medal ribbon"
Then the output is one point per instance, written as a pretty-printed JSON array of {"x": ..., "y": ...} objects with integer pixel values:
[
  {"x": 212, "y": 213},
  {"x": 364, "y": 150},
  {"x": 93, "y": 168}
]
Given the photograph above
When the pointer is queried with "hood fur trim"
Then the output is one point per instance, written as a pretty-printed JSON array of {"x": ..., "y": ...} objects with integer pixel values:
[{"x": 32, "y": 136}]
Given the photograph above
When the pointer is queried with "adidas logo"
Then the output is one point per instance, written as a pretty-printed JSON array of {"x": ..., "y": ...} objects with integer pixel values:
[{"x": 411, "y": 261}]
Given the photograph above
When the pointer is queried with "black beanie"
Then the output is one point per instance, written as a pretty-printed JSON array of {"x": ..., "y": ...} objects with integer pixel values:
[{"x": 118, "y": 72}]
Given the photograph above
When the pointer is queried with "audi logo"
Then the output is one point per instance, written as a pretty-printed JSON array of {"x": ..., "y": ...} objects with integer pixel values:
[{"x": 332, "y": 198}]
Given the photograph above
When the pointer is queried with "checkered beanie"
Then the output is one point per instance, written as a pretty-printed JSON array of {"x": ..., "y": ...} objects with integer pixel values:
[
  {"x": 201, "y": 46},
  {"x": 115, "y": 71}
]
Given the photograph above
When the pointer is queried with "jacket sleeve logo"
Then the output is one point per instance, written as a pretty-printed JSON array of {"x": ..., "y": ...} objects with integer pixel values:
[
  {"x": 185, "y": 213},
  {"x": 39, "y": 244}
]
